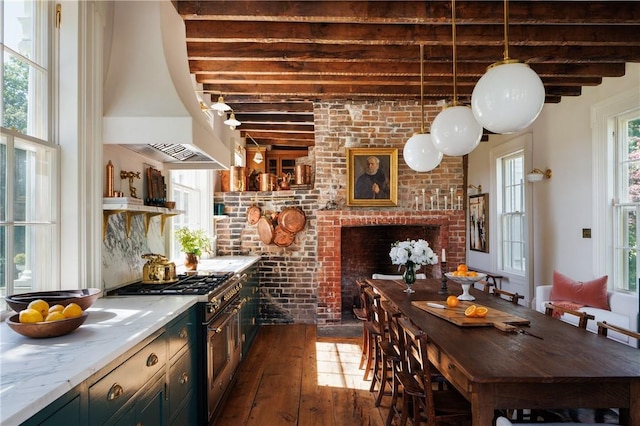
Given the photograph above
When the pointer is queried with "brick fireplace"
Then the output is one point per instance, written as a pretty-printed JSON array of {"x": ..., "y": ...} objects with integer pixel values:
[{"x": 442, "y": 229}]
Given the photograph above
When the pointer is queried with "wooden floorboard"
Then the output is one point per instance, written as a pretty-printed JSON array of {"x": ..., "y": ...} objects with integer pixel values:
[{"x": 292, "y": 377}]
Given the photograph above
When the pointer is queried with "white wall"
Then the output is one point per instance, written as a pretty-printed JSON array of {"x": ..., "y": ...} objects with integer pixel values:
[{"x": 562, "y": 206}]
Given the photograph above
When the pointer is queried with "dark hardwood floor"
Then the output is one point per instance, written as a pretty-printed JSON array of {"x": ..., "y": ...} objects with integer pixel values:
[{"x": 291, "y": 376}]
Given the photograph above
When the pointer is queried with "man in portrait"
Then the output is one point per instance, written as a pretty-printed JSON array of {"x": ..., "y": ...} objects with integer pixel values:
[{"x": 373, "y": 183}]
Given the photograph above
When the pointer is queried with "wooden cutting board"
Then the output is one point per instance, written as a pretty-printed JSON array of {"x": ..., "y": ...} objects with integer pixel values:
[{"x": 456, "y": 315}]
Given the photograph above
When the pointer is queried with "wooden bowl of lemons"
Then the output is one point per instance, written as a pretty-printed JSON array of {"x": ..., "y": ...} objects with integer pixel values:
[
  {"x": 44, "y": 329},
  {"x": 83, "y": 297}
]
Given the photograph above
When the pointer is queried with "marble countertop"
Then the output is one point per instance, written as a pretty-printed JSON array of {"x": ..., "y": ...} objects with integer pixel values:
[{"x": 36, "y": 372}]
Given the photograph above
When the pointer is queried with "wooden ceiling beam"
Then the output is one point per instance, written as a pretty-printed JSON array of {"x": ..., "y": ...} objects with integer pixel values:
[
  {"x": 411, "y": 34},
  {"x": 558, "y": 12},
  {"x": 406, "y": 53}
]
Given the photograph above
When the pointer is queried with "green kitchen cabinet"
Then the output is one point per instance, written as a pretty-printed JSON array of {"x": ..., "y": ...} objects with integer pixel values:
[{"x": 64, "y": 411}]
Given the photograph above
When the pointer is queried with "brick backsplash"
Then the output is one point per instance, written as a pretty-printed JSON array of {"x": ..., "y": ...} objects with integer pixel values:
[{"x": 302, "y": 283}]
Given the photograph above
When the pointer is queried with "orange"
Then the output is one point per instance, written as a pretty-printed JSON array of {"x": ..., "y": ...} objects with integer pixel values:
[
  {"x": 462, "y": 267},
  {"x": 55, "y": 316},
  {"x": 452, "y": 301},
  {"x": 72, "y": 310},
  {"x": 472, "y": 274},
  {"x": 56, "y": 308},
  {"x": 481, "y": 311},
  {"x": 470, "y": 311},
  {"x": 30, "y": 315},
  {"x": 40, "y": 306}
]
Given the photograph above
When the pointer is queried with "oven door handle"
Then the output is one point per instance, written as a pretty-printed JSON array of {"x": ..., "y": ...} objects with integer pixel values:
[{"x": 217, "y": 326}]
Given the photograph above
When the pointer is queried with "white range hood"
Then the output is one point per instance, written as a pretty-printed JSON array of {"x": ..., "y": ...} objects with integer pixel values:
[{"x": 150, "y": 105}]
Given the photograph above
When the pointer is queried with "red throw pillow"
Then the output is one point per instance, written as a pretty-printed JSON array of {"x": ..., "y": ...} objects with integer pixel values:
[{"x": 589, "y": 293}]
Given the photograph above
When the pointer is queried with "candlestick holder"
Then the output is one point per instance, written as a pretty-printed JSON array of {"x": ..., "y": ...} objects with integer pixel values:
[{"x": 443, "y": 282}]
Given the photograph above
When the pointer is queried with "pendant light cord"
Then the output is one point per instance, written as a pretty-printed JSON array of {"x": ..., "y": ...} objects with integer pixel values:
[
  {"x": 453, "y": 37},
  {"x": 422, "y": 88},
  {"x": 506, "y": 30}
]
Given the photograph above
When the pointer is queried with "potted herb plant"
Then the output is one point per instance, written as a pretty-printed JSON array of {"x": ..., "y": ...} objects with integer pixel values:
[
  {"x": 192, "y": 242},
  {"x": 19, "y": 260}
]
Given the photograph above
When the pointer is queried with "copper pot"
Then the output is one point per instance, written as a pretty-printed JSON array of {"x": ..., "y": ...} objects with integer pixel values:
[
  {"x": 158, "y": 270},
  {"x": 267, "y": 181},
  {"x": 303, "y": 174}
]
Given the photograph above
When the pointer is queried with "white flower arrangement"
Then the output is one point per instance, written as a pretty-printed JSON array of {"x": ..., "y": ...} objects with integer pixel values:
[{"x": 417, "y": 252}]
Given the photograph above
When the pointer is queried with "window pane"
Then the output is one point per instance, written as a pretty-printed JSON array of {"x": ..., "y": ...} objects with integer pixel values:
[
  {"x": 33, "y": 186},
  {"x": 18, "y": 26}
]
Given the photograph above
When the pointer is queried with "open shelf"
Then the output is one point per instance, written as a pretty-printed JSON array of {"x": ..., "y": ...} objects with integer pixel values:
[{"x": 131, "y": 210}]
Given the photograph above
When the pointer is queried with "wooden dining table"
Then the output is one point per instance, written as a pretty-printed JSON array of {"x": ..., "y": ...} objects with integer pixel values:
[{"x": 552, "y": 365}]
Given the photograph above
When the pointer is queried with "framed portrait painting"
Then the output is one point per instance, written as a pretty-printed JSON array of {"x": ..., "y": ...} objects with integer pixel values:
[
  {"x": 479, "y": 222},
  {"x": 372, "y": 177}
]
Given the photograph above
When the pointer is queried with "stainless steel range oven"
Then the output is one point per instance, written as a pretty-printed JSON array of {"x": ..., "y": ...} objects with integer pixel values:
[{"x": 219, "y": 339}]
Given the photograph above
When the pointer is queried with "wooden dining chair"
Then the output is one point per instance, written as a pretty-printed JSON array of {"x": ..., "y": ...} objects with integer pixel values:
[
  {"x": 376, "y": 333},
  {"x": 507, "y": 295},
  {"x": 604, "y": 327},
  {"x": 427, "y": 402},
  {"x": 583, "y": 317},
  {"x": 389, "y": 352},
  {"x": 362, "y": 313}
]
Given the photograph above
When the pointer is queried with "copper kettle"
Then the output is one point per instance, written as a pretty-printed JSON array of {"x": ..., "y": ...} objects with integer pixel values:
[{"x": 158, "y": 270}]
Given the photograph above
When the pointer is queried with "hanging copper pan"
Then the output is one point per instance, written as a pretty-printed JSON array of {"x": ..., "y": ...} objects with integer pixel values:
[
  {"x": 282, "y": 237},
  {"x": 266, "y": 230},
  {"x": 253, "y": 214},
  {"x": 292, "y": 219}
]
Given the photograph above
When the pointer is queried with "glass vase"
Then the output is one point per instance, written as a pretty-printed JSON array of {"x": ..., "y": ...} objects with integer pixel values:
[{"x": 409, "y": 276}]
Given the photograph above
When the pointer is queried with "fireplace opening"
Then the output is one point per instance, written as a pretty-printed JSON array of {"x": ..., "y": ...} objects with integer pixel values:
[{"x": 365, "y": 251}]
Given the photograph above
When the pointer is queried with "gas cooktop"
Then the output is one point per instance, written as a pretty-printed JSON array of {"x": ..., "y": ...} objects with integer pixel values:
[{"x": 186, "y": 285}]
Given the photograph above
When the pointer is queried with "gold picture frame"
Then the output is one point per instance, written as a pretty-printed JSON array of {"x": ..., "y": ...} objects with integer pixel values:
[
  {"x": 479, "y": 222},
  {"x": 370, "y": 185}
]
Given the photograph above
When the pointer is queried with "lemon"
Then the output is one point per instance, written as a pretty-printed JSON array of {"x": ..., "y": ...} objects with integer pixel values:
[
  {"x": 56, "y": 308},
  {"x": 55, "y": 316},
  {"x": 72, "y": 310},
  {"x": 40, "y": 306},
  {"x": 30, "y": 315}
]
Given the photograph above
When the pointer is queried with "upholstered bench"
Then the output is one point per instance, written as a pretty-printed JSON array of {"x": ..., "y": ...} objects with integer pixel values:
[{"x": 623, "y": 313}]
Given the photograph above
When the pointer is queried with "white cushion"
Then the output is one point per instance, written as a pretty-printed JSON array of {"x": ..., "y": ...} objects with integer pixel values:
[
  {"x": 623, "y": 313},
  {"x": 503, "y": 421}
]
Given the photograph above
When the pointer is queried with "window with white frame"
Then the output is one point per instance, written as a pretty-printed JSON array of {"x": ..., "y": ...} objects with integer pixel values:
[
  {"x": 28, "y": 162},
  {"x": 625, "y": 129},
  {"x": 511, "y": 213},
  {"x": 192, "y": 190}
]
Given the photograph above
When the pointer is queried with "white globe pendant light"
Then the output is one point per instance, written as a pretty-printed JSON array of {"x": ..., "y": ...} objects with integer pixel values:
[
  {"x": 510, "y": 95},
  {"x": 455, "y": 131},
  {"x": 419, "y": 152}
]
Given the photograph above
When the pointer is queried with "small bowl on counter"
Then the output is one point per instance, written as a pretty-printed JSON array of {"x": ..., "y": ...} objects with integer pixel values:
[
  {"x": 83, "y": 297},
  {"x": 42, "y": 330}
]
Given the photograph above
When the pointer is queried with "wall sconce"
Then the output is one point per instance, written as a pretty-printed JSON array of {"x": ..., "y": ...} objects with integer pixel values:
[
  {"x": 257, "y": 158},
  {"x": 232, "y": 122},
  {"x": 477, "y": 188},
  {"x": 220, "y": 107},
  {"x": 537, "y": 175}
]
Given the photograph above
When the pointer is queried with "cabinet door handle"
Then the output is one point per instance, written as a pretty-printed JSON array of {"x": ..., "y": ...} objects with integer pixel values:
[
  {"x": 184, "y": 378},
  {"x": 152, "y": 360},
  {"x": 115, "y": 392},
  {"x": 183, "y": 333}
]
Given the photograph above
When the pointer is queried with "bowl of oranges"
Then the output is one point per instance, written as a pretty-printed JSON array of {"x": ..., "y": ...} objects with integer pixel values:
[
  {"x": 41, "y": 320},
  {"x": 463, "y": 275}
]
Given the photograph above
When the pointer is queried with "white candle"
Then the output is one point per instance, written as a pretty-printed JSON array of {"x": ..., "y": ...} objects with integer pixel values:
[
  {"x": 423, "y": 207},
  {"x": 431, "y": 202},
  {"x": 437, "y": 192},
  {"x": 452, "y": 191},
  {"x": 417, "y": 208},
  {"x": 459, "y": 202},
  {"x": 445, "y": 202},
  {"x": 444, "y": 256}
]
